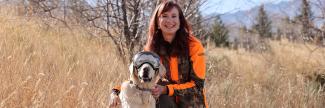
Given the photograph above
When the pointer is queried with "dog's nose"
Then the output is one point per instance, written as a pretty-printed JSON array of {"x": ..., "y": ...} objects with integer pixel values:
[
  {"x": 145, "y": 72},
  {"x": 146, "y": 69}
]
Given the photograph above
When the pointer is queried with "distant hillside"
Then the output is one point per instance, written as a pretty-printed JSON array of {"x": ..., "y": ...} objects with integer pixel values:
[{"x": 275, "y": 11}]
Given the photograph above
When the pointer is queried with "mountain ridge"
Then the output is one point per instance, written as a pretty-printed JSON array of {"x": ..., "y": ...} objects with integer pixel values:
[{"x": 275, "y": 11}]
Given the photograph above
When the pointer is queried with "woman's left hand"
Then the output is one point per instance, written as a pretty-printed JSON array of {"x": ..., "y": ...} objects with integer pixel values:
[{"x": 158, "y": 90}]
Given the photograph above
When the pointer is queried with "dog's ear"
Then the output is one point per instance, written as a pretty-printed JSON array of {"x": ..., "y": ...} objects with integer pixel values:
[
  {"x": 133, "y": 74},
  {"x": 162, "y": 70}
]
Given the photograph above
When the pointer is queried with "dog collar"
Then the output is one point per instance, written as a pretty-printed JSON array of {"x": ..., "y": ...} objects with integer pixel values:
[
  {"x": 139, "y": 88},
  {"x": 142, "y": 89}
]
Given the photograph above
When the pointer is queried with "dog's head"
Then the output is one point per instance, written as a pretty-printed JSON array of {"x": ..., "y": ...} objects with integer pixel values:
[{"x": 146, "y": 68}]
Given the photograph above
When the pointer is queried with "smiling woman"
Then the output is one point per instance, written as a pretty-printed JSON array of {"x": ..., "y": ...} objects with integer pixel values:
[
  {"x": 169, "y": 24},
  {"x": 170, "y": 36}
]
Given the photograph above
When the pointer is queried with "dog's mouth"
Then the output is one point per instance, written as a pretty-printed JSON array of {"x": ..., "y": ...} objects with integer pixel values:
[{"x": 145, "y": 79}]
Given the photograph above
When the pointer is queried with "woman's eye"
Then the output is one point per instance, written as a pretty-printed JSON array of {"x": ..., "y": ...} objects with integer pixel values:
[{"x": 174, "y": 16}]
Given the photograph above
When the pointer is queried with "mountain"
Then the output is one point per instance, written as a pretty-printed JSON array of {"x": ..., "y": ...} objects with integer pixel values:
[{"x": 276, "y": 11}]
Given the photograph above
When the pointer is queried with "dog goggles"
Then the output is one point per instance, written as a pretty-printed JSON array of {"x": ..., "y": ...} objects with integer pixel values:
[{"x": 146, "y": 57}]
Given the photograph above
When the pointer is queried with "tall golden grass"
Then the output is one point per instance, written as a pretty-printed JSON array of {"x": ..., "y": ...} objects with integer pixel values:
[
  {"x": 282, "y": 77},
  {"x": 56, "y": 67},
  {"x": 41, "y": 67}
]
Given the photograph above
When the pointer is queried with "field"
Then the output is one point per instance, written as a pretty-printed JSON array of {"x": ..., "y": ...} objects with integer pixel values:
[{"x": 56, "y": 67}]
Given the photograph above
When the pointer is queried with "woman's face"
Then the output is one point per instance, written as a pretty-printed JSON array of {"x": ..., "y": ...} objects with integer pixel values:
[{"x": 168, "y": 22}]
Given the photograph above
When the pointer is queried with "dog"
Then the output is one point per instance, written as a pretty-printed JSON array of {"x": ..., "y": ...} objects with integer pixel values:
[{"x": 145, "y": 71}]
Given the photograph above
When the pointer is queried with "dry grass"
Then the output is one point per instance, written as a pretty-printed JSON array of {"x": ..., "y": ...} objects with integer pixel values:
[
  {"x": 54, "y": 67},
  {"x": 60, "y": 68},
  {"x": 274, "y": 79}
]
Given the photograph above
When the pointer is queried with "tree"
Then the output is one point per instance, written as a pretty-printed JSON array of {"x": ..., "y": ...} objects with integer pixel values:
[
  {"x": 191, "y": 9},
  {"x": 320, "y": 39},
  {"x": 199, "y": 30},
  {"x": 323, "y": 31},
  {"x": 289, "y": 29},
  {"x": 306, "y": 21},
  {"x": 219, "y": 35},
  {"x": 263, "y": 26}
]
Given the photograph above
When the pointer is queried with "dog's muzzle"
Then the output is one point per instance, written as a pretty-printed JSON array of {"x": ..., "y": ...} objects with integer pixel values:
[{"x": 145, "y": 77}]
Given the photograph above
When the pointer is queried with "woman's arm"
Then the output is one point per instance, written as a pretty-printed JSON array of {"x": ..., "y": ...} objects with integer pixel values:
[{"x": 197, "y": 73}]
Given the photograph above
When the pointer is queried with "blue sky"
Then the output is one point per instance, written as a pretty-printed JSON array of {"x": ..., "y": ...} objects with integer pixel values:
[{"x": 229, "y": 6}]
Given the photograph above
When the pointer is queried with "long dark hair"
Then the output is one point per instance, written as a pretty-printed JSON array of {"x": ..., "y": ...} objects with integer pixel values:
[{"x": 180, "y": 44}]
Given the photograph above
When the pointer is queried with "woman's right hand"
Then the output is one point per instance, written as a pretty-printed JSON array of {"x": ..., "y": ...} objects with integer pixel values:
[
  {"x": 114, "y": 101},
  {"x": 158, "y": 90}
]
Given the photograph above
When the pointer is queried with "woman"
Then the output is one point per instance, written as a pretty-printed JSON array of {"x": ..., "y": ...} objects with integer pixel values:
[{"x": 183, "y": 56}]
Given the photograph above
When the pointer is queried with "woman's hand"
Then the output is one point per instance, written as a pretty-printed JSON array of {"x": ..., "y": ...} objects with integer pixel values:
[
  {"x": 115, "y": 101},
  {"x": 158, "y": 90}
]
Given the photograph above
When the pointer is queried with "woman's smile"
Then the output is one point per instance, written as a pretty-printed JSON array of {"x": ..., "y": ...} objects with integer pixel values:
[{"x": 169, "y": 24}]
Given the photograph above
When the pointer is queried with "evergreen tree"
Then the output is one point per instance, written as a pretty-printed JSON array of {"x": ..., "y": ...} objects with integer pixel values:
[
  {"x": 320, "y": 36},
  {"x": 306, "y": 21},
  {"x": 263, "y": 26},
  {"x": 219, "y": 34}
]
